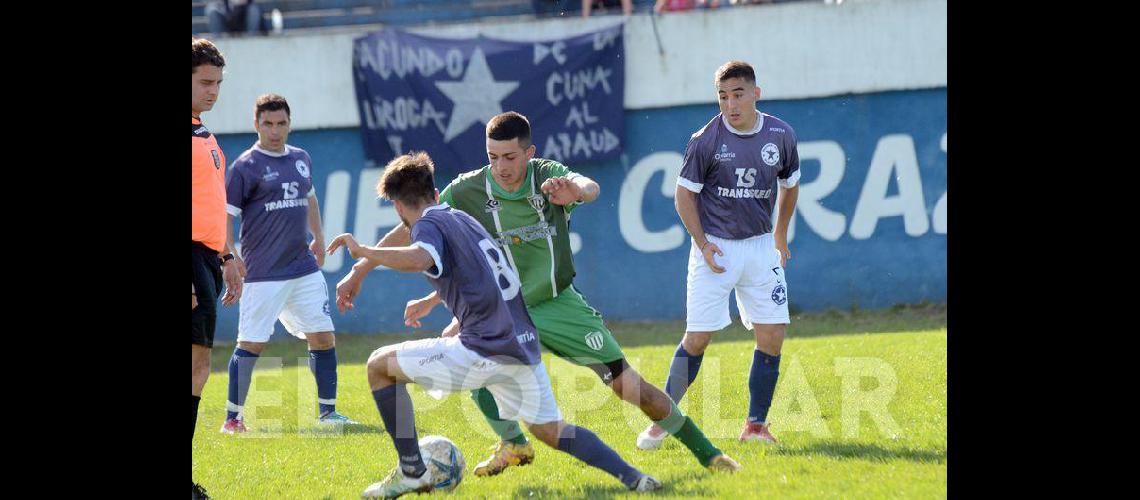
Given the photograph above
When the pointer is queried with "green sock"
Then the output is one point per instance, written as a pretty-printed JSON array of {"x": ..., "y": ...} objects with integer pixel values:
[
  {"x": 686, "y": 431},
  {"x": 508, "y": 430}
]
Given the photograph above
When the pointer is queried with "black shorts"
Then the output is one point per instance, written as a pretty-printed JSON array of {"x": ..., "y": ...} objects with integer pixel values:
[{"x": 207, "y": 278}]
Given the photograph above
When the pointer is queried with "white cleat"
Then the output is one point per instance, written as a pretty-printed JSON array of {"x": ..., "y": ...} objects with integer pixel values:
[
  {"x": 651, "y": 438},
  {"x": 646, "y": 483},
  {"x": 334, "y": 418},
  {"x": 396, "y": 484}
]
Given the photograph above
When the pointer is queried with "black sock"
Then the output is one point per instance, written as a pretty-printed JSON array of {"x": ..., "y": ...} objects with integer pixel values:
[{"x": 195, "y": 424}]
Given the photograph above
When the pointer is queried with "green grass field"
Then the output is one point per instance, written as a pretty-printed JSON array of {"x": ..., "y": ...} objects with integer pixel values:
[{"x": 860, "y": 409}]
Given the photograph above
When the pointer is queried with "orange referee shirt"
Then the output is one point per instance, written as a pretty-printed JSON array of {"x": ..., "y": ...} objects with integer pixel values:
[{"x": 208, "y": 199}]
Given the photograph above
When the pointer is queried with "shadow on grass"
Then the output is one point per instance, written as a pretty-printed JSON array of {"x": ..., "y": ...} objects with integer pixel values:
[
  {"x": 610, "y": 489},
  {"x": 686, "y": 484},
  {"x": 863, "y": 451},
  {"x": 355, "y": 348},
  {"x": 346, "y": 429}
]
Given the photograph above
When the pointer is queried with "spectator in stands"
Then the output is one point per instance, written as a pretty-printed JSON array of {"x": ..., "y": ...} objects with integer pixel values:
[
  {"x": 682, "y": 5},
  {"x": 674, "y": 5},
  {"x": 626, "y": 6},
  {"x": 234, "y": 16}
]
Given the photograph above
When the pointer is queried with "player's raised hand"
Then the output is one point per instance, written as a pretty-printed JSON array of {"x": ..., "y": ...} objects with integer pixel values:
[
  {"x": 417, "y": 309},
  {"x": 349, "y": 243},
  {"x": 347, "y": 290},
  {"x": 708, "y": 250},
  {"x": 561, "y": 190}
]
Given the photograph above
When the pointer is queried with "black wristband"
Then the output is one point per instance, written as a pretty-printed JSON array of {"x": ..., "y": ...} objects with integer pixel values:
[{"x": 227, "y": 257}]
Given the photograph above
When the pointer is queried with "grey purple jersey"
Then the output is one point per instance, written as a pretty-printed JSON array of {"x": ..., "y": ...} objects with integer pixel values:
[
  {"x": 736, "y": 173},
  {"x": 477, "y": 284},
  {"x": 270, "y": 192}
]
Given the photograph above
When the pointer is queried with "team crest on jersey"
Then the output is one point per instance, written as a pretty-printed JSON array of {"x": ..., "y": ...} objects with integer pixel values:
[
  {"x": 770, "y": 154},
  {"x": 217, "y": 159},
  {"x": 491, "y": 206},
  {"x": 724, "y": 155},
  {"x": 779, "y": 294},
  {"x": 302, "y": 168},
  {"x": 595, "y": 340},
  {"x": 537, "y": 202}
]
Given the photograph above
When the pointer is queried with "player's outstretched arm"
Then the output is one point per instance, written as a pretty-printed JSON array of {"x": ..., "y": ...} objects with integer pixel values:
[
  {"x": 563, "y": 191},
  {"x": 406, "y": 259}
]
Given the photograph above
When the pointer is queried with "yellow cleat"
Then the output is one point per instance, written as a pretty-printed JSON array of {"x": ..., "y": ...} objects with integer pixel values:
[
  {"x": 504, "y": 455},
  {"x": 724, "y": 463}
]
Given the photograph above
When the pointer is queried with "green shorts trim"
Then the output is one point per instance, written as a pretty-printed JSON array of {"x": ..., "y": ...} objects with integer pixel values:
[{"x": 574, "y": 331}]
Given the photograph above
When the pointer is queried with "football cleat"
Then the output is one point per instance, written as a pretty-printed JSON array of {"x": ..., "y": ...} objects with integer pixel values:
[
  {"x": 757, "y": 432},
  {"x": 651, "y": 438},
  {"x": 724, "y": 463},
  {"x": 233, "y": 426},
  {"x": 646, "y": 483},
  {"x": 505, "y": 454},
  {"x": 334, "y": 418},
  {"x": 397, "y": 484}
]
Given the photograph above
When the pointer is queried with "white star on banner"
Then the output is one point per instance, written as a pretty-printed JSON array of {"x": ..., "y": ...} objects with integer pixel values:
[{"x": 477, "y": 97}]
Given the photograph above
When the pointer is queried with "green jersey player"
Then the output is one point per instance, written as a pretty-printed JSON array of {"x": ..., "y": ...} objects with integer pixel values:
[{"x": 525, "y": 203}]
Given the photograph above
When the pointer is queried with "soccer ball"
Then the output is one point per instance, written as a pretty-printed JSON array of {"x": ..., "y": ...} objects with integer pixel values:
[{"x": 444, "y": 462}]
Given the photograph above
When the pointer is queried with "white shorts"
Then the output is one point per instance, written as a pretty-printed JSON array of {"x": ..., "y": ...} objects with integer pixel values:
[
  {"x": 444, "y": 364},
  {"x": 752, "y": 267},
  {"x": 302, "y": 305}
]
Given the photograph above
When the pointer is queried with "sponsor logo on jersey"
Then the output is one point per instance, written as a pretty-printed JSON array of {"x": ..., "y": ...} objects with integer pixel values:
[
  {"x": 724, "y": 155},
  {"x": 779, "y": 294},
  {"x": 492, "y": 205},
  {"x": 777, "y": 129},
  {"x": 743, "y": 193},
  {"x": 270, "y": 175},
  {"x": 537, "y": 202},
  {"x": 217, "y": 159},
  {"x": 527, "y": 233},
  {"x": 302, "y": 168},
  {"x": 770, "y": 154},
  {"x": 595, "y": 340}
]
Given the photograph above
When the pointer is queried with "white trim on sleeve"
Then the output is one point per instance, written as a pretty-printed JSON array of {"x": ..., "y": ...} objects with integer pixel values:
[
  {"x": 434, "y": 256},
  {"x": 690, "y": 185},
  {"x": 232, "y": 210},
  {"x": 791, "y": 181},
  {"x": 312, "y": 192}
]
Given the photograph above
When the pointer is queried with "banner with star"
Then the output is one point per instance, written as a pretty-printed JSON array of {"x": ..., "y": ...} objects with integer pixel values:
[{"x": 436, "y": 95}]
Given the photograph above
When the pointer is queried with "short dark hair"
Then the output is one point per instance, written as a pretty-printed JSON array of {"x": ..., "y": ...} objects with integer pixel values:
[
  {"x": 205, "y": 52},
  {"x": 408, "y": 178},
  {"x": 270, "y": 102},
  {"x": 509, "y": 125},
  {"x": 735, "y": 69}
]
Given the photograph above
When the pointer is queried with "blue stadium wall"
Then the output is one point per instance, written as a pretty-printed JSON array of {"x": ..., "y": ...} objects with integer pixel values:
[{"x": 870, "y": 230}]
